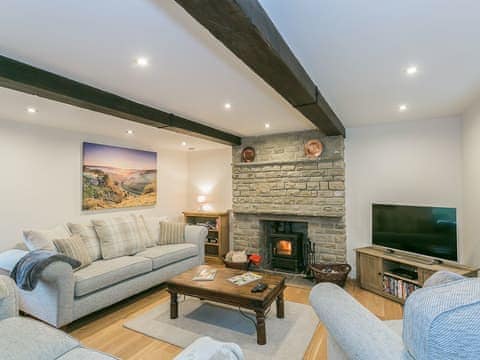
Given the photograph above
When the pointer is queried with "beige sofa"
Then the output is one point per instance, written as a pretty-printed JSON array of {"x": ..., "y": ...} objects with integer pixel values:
[{"x": 63, "y": 295}]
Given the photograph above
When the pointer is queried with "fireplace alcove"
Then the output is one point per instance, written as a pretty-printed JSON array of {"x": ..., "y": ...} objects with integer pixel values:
[{"x": 287, "y": 245}]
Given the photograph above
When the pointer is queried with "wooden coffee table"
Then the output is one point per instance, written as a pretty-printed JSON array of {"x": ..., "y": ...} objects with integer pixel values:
[{"x": 222, "y": 291}]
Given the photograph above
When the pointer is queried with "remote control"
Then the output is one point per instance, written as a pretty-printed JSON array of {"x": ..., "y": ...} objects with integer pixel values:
[{"x": 260, "y": 287}]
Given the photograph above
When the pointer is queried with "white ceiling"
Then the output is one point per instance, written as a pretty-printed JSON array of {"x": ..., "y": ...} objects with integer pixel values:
[
  {"x": 355, "y": 51},
  {"x": 190, "y": 73}
]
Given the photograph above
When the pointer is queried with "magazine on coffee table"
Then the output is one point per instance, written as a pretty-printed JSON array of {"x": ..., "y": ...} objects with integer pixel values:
[
  {"x": 243, "y": 279},
  {"x": 205, "y": 275}
]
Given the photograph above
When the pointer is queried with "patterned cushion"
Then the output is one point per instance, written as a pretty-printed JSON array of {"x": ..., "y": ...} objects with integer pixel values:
[
  {"x": 43, "y": 239},
  {"x": 75, "y": 248},
  {"x": 172, "y": 233},
  {"x": 118, "y": 237},
  {"x": 90, "y": 238},
  {"x": 152, "y": 223},
  {"x": 143, "y": 232}
]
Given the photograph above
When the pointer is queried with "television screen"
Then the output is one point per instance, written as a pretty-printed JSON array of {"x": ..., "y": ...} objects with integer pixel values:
[{"x": 430, "y": 231}]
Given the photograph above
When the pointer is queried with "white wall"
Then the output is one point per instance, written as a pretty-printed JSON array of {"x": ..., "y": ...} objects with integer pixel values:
[
  {"x": 210, "y": 174},
  {"x": 404, "y": 163},
  {"x": 471, "y": 184},
  {"x": 41, "y": 178}
]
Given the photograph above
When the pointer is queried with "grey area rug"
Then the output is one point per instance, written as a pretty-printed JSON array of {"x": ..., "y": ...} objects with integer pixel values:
[{"x": 287, "y": 338}]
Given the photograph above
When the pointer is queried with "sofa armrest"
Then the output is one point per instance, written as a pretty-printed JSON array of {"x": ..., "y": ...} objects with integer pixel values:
[
  {"x": 359, "y": 333},
  {"x": 8, "y": 298},
  {"x": 197, "y": 235},
  {"x": 52, "y": 298},
  {"x": 9, "y": 258}
]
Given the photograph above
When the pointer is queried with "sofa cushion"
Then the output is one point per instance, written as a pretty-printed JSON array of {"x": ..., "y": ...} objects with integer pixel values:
[
  {"x": 164, "y": 255},
  {"x": 43, "y": 239},
  {"x": 75, "y": 248},
  {"x": 104, "y": 273},
  {"x": 172, "y": 233},
  {"x": 152, "y": 223},
  {"x": 81, "y": 353},
  {"x": 143, "y": 232},
  {"x": 118, "y": 236},
  {"x": 25, "y": 339},
  {"x": 90, "y": 238}
]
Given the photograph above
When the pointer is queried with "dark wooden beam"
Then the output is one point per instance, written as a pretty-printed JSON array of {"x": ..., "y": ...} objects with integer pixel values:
[
  {"x": 28, "y": 79},
  {"x": 245, "y": 28}
]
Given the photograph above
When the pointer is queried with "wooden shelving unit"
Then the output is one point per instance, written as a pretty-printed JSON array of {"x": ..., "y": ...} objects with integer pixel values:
[
  {"x": 214, "y": 251},
  {"x": 375, "y": 269}
]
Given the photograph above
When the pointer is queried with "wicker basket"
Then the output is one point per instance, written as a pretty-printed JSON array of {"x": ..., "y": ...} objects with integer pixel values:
[
  {"x": 334, "y": 273},
  {"x": 236, "y": 265}
]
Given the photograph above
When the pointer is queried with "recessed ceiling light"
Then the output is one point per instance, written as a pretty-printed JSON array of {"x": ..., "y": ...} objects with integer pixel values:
[
  {"x": 130, "y": 132},
  {"x": 184, "y": 143},
  {"x": 227, "y": 106},
  {"x": 402, "y": 107},
  {"x": 411, "y": 70},
  {"x": 141, "y": 61},
  {"x": 267, "y": 126},
  {"x": 31, "y": 110}
]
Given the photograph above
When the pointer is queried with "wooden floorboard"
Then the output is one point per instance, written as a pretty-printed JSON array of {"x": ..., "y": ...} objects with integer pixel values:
[{"x": 104, "y": 330}]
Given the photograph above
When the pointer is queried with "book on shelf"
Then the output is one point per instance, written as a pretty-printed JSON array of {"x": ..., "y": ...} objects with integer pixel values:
[
  {"x": 205, "y": 275},
  {"x": 245, "y": 278},
  {"x": 397, "y": 287}
]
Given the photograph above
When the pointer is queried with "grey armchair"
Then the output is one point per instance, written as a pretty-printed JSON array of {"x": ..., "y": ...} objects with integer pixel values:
[
  {"x": 440, "y": 322},
  {"x": 22, "y": 338}
]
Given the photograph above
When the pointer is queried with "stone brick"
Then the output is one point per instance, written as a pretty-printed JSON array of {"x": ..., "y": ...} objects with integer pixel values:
[{"x": 336, "y": 185}]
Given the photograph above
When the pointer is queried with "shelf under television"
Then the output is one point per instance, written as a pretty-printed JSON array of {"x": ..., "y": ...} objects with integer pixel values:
[{"x": 399, "y": 277}]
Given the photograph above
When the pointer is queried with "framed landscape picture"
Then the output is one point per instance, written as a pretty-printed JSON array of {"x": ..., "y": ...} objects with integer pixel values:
[{"x": 118, "y": 177}]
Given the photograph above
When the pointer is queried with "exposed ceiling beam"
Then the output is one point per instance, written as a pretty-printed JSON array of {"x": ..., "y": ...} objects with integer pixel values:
[
  {"x": 28, "y": 79},
  {"x": 245, "y": 28}
]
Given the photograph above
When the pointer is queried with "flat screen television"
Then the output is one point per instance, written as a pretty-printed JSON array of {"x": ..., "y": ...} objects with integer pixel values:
[{"x": 424, "y": 230}]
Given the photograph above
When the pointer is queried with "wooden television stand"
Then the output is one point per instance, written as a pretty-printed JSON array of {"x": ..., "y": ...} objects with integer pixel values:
[{"x": 389, "y": 274}]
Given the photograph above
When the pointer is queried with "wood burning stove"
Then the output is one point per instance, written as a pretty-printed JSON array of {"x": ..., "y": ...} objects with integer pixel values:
[{"x": 287, "y": 251}]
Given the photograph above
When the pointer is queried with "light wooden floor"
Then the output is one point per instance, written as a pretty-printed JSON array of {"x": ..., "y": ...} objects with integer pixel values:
[{"x": 104, "y": 331}]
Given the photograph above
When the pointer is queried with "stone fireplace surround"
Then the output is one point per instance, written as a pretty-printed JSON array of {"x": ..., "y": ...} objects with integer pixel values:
[{"x": 282, "y": 184}]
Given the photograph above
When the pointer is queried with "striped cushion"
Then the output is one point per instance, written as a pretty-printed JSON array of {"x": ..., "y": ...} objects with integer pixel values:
[
  {"x": 75, "y": 248},
  {"x": 89, "y": 237},
  {"x": 142, "y": 230},
  {"x": 118, "y": 237},
  {"x": 172, "y": 233}
]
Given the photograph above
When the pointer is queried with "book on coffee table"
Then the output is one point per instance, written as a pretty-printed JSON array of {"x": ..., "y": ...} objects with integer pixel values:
[
  {"x": 243, "y": 279},
  {"x": 205, "y": 275}
]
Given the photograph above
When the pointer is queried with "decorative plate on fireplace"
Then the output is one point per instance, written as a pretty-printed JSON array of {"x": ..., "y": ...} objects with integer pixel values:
[
  {"x": 313, "y": 148},
  {"x": 248, "y": 154}
]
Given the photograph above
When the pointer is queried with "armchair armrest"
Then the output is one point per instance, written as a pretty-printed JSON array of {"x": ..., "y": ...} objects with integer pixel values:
[
  {"x": 8, "y": 298},
  {"x": 358, "y": 332},
  {"x": 205, "y": 348},
  {"x": 442, "y": 277},
  {"x": 197, "y": 235}
]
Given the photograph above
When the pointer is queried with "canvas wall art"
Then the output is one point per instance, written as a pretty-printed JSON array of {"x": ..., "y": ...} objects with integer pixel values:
[{"x": 118, "y": 177}]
